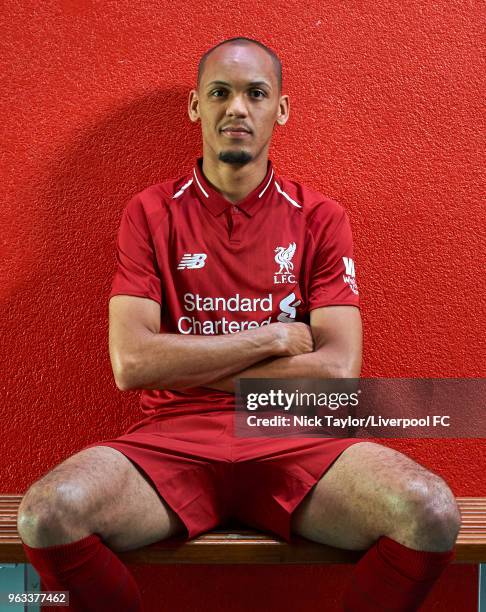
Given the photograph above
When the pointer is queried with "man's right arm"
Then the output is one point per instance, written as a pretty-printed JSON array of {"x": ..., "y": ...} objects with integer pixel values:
[{"x": 143, "y": 358}]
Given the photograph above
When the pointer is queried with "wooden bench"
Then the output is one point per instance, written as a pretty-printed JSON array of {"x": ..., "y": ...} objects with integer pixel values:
[{"x": 242, "y": 545}]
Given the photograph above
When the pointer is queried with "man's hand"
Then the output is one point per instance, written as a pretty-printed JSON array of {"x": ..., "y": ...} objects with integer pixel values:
[
  {"x": 337, "y": 334},
  {"x": 294, "y": 338}
]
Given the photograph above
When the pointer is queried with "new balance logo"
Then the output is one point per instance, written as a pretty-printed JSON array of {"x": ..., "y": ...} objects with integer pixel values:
[{"x": 191, "y": 261}]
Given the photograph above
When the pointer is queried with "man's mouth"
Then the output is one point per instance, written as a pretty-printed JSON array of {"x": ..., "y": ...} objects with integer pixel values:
[
  {"x": 235, "y": 131},
  {"x": 236, "y": 128}
]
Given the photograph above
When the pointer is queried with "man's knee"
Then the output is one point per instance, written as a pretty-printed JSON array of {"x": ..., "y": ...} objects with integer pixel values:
[
  {"x": 428, "y": 510},
  {"x": 54, "y": 513}
]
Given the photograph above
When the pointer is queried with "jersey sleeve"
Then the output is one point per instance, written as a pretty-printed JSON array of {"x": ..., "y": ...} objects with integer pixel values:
[
  {"x": 333, "y": 276},
  {"x": 136, "y": 271}
]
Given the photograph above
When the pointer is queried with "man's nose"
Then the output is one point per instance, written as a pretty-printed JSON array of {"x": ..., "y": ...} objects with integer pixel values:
[{"x": 236, "y": 107}]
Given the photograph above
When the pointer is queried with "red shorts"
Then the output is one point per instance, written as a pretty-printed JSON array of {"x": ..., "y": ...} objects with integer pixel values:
[{"x": 209, "y": 477}]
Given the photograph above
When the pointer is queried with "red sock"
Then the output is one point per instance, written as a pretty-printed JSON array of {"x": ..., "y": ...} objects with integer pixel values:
[
  {"x": 391, "y": 576},
  {"x": 94, "y": 576}
]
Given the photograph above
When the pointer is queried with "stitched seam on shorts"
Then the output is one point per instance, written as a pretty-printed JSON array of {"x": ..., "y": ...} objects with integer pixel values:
[
  {"x": 315, "y": 481},
  {"x": 183, "y": 471},
  {"x": 134, "y": 461},
  {"x": 293, "y": 476},
  {"x": 176, "y": 475}
]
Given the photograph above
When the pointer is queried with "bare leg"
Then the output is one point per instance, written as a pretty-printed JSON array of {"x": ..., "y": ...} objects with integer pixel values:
[
  {"x": 97, "y": 490},
  {"x": 371, "y": 491}
]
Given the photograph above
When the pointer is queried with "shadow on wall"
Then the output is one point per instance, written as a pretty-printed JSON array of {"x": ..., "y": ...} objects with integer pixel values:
[{"x": 56, "y": 297}]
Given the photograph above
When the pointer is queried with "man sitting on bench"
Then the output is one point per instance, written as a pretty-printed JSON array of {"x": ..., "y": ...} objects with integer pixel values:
[{"x": 234, "y": 271}]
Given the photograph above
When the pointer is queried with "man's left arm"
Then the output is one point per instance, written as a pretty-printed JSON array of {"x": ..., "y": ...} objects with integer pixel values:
[{"x": 337, "y": 333}]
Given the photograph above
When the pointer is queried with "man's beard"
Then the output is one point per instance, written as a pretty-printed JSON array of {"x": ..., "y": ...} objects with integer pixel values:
[{"x": 235, "y": 157}]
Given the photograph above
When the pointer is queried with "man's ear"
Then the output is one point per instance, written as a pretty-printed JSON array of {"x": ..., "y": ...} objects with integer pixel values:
[
  {"x": 283, "y": 110},
  {"x": 193, "y": 106}
]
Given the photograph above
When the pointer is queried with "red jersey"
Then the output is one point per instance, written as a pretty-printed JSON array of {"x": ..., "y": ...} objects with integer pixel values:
[{"x": 216, "y": 267}]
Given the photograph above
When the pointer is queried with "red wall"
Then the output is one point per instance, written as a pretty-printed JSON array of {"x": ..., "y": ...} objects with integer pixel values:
[{"x": 385, "y": 104}]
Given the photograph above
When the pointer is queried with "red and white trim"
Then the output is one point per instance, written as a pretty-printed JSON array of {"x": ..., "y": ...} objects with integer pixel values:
[{"x": 286, "y": 195}]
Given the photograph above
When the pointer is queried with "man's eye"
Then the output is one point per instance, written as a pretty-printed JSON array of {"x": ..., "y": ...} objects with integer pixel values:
[{"x": 254, "y": 93}]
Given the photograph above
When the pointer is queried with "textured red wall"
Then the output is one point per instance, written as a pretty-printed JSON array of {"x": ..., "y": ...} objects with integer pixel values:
[{"x": 386, "y": 101}]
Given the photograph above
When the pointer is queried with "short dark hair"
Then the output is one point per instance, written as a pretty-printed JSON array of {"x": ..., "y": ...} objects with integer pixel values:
[{"x": 243, "y": 40}]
